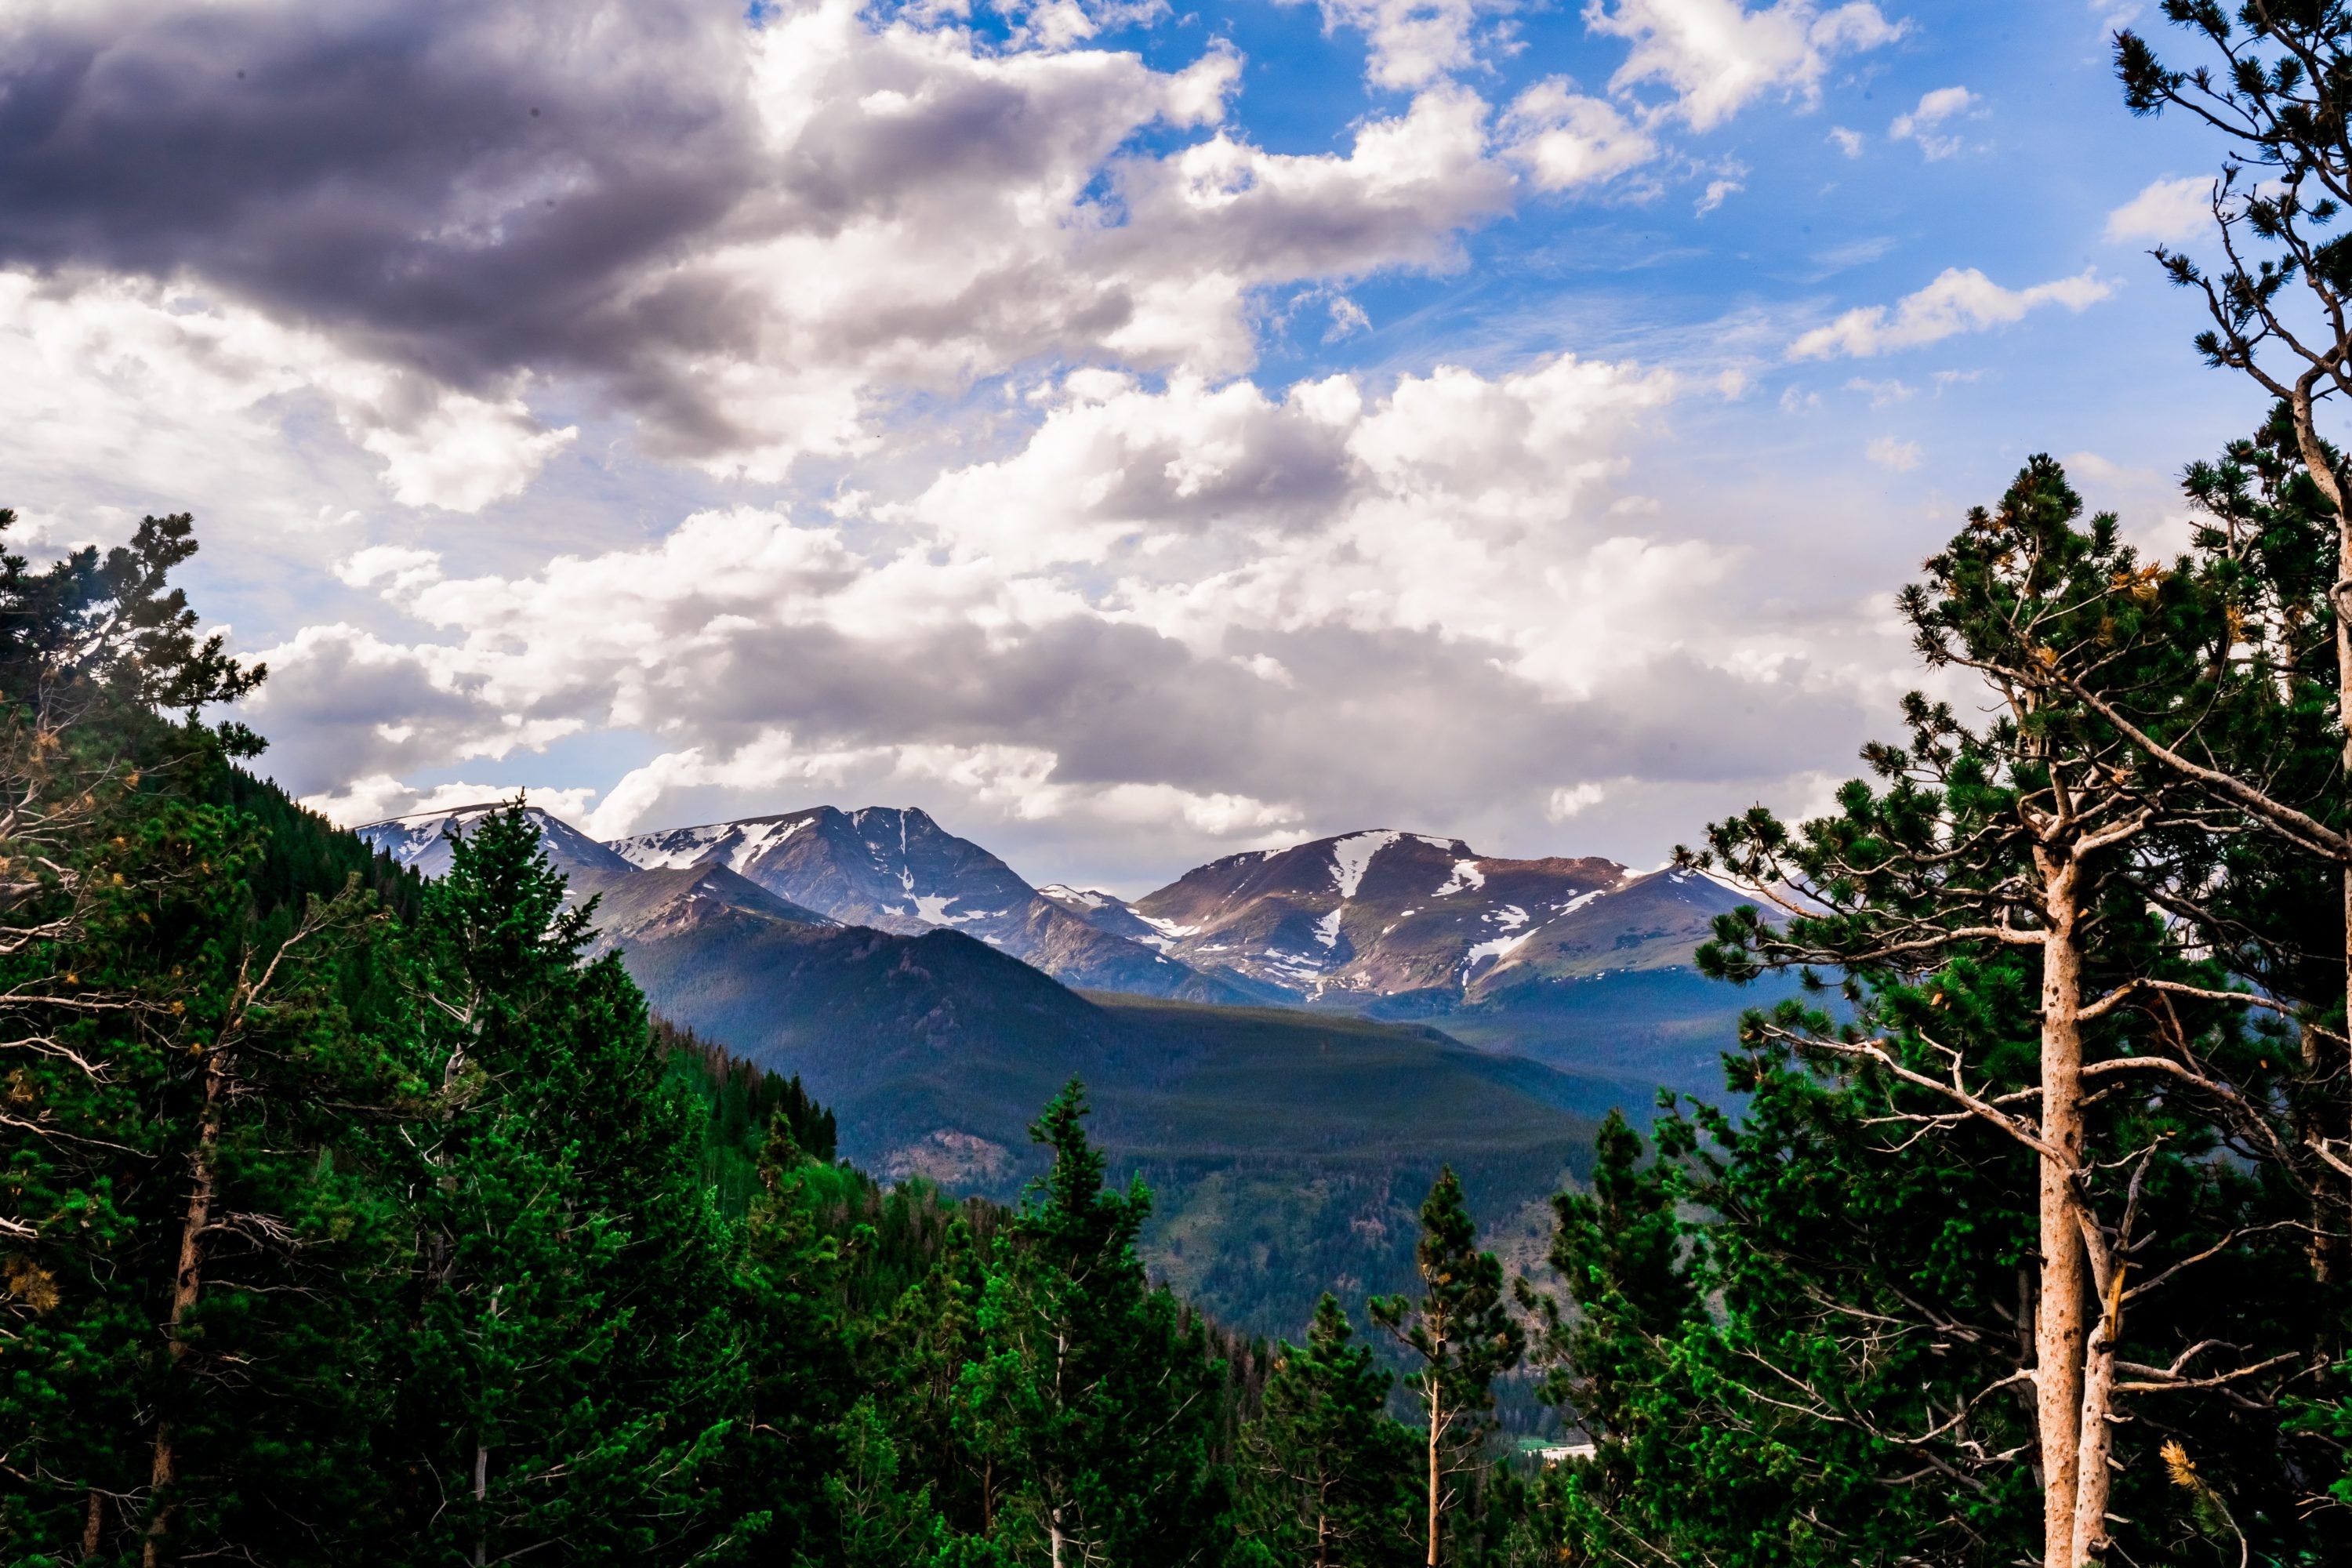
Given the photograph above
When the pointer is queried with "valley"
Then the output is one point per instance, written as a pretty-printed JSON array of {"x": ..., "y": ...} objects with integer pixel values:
[{"x": 1288, "y": 1098}]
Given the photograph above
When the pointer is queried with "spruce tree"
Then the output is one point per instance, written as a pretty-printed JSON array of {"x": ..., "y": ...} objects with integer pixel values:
[
  {"x": 1462, "y": 1332},
  {"x": 576, "y": 1370},
  {"x": 1093, "y": 1402},
  {"x": 1330, "y": 1473}
]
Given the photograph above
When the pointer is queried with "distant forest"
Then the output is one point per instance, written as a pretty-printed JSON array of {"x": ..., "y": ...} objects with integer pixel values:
[{"x": 349, "y": 1219}]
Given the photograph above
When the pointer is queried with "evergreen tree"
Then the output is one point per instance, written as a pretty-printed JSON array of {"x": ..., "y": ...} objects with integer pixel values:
[
  {"x": 576, "y": 1368},
  {"x": 798, "y": 1364},
  {"x": 2025, "y": 915},
  {"x": 195, "y": 1251},
  {"x": 1462, "y": 1332},
  {"x": 1329, "y": 1473},
  {"x": 1092, "y": 1400},
  {"x": 918, "y": 1354}
]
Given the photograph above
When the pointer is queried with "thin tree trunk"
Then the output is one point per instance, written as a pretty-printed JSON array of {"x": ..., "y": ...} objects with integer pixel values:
[
  {"x": 2058, "y": 1328},
  {"x": 481, "y": 1494},
  {"x": 2093, "y": 1477},
  {"x": 1054, "y": 1534},
  {"x": 185, "y": 1285},
  {"x": 1437, "y": 1416},
  {"x": 2324, "y": 1246},
  {"x": 93, "y": 1526}
]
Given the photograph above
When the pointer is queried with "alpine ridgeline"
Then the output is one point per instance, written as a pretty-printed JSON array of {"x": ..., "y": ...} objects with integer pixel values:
[{"x": 1289, "y": 1145}]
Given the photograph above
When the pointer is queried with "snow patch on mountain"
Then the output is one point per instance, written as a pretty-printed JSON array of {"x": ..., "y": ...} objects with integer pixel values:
[
  {"x": 1326, "y": 930},
  {"x": 1067, "y": 894},
  {"x": 1351, "y": 856},
  {"x": 1464, "y": 874}
]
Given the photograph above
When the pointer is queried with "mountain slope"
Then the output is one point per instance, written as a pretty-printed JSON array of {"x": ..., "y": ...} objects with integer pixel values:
[
  {"x": 421, "y": 842},
  {"x": 897, "y": 870},
  {"x": 1287, "y": 1149},
  {"x": 1413, "y": 920}
]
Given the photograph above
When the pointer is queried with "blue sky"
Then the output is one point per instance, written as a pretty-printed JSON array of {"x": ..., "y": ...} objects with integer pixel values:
[{"x": 1132, "y": 433}]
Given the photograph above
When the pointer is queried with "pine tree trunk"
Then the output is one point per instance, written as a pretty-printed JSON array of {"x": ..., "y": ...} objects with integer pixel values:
[
  {"x": 93, "y": 1525},
  {"x": 185, "y": 1285},
  {"x": 2059, "y": 1330},
  {"x": 2093, "y": 1478},
  {"x": 2322, "y": 474},
  {"x": 1436, "y": 1419},
  {"x": 481, "y": 1494}
]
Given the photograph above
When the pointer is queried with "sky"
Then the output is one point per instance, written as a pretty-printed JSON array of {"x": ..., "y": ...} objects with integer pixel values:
[{"x": 1133, "y": 433}]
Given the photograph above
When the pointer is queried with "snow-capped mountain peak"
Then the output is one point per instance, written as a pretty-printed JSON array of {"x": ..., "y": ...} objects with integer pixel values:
[{"x": 421, "y": 842}]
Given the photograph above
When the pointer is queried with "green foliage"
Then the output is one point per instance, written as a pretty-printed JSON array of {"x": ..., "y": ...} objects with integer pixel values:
[
  {"x": 1861, "y": 1390},
  {"x": 1329, "y": 1476},
  {"x": 1090, "y": 1395},
  {"x": 1461, "y": 1331},
  {"x": 739, "y": 1101}
]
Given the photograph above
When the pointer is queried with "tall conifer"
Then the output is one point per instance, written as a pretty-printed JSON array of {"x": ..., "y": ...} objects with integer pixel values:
[{"x": 1462, "y": 1332}]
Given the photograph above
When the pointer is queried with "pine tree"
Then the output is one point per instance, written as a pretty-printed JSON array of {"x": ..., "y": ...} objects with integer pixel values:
[
  {"x": 1461, "y": 1331},
  {"x": 1329, "y": 1473},
  {"x": 193, "y": 1104},
  {"x": 575, "y": 1370},
  {"x": 2024, "y": 916},
  {"x": 798, "y": 1364},
  {"x": 1092, "y": 1400}
]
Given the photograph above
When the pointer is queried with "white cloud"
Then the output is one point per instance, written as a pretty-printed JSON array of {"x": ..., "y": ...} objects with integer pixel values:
[
  {"x": 861, "y": 207},
  {"x": 1881, "y": 393},
  {"x": 1846, "y": 141},
  {"x": 1926, "y": 123},
  {"x": 1010, "y": 783},
  {"x": 380, "y": 797},
  {"x": 1717, "y": 56},
  {"x": 1157, "y": 617},
  {"x": 1563, "y": 138},
  {"x": 1569, "y": 800},
  {"x": 1958, "y": 301},
  {"x": 117, "y": 382},
  {"x": 1888, "y": 453},
  {"x": 1415, "y": 42},
  {"x": 1716, "y": 190},
  {"x": 2169, "y": 212}
]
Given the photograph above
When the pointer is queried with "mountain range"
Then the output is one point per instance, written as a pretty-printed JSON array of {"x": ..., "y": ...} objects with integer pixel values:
[{"x": 1257, "y": 1037}]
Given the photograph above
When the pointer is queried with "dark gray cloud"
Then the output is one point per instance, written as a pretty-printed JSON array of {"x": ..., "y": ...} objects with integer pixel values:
[{"x": 467, "y": 188}]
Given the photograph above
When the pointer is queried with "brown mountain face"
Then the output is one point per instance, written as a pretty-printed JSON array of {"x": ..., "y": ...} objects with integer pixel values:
[
  {"x": 1385, "y": 914},
  {"x": 897, "y": 871}
]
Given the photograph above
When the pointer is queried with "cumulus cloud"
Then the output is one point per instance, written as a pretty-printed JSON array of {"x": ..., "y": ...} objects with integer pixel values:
[
  {"x": 1958, "y": 301},
  {"x": 2168, "y": 212},
  {"x": 1563, "y": 138},
  {"x": 158, "y": 384},
  {"x": 1889, "y": 453},
  {"x": 746, "y": 239},
  {"x": 1574, "y": 800},
  {"x": 1415, "y": 42},
  {"x": 1169, "y": 613},
  {"x": 1927, "y": 123},
  {"x": 1716, "y": 56}
]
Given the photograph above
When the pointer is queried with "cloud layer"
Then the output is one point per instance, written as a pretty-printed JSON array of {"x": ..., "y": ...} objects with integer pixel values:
[{"x": 980, "y": 406}]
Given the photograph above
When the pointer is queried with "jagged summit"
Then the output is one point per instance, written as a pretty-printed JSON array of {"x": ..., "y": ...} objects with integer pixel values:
[
  {"x": 1375, "y": 916},
  {"x": 1385, "y": 913}
]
